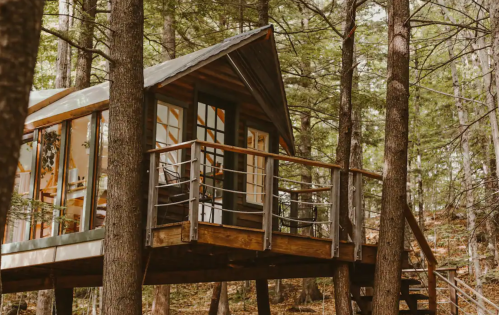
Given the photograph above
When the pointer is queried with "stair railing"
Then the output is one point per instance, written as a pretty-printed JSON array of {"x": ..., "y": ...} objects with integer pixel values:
[{"x": 457, "y": 293}]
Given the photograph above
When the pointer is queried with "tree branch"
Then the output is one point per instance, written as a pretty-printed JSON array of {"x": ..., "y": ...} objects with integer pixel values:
[
  {"x": 321, "y": 14},
  {"x": 72, "y": 43}
]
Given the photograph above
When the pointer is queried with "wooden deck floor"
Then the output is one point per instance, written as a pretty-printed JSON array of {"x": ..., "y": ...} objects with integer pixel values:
[{"x": 222, "y": 253}]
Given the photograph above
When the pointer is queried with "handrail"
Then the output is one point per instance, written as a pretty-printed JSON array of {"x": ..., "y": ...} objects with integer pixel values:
[
  {"x": 477, "y": 293},
  {"x": 467, "y": 295},
  {"x": 185, "y": 145},
  {"x": 423, "y": 243}
]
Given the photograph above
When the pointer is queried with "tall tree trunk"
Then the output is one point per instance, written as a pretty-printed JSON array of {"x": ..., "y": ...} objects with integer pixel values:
[
  {"x": 161, "y": 301},
  {"x": 168, "y": 36},
  {"x": 20, "y": 25},
  {"x": 279, "y": 294},
  {"x": 468, "y": 179},
  {"x": 215, "y": 298},
  {"x": 262, "y": 7},
  {"x": 44, "y": 302},
  {"x": 394, "y": 200},
  {"x": 341, "y": 272},
  {"x": 122, "y": 271},
  {"x": 241, "y": 16},
  {"x": 62, "y": 62},
  {"x": 262, "y": 296},
  {"x": 84, "y": 59},
  {"x": 223, "y": 303}
]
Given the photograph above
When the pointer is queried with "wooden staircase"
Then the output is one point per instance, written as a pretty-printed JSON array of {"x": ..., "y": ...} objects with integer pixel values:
[{"x": 361, "y": 292}]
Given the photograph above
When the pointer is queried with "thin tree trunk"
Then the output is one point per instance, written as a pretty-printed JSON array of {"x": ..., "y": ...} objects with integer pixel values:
[
  {"x": 262, "y": 7},
  {"x": 20, "y": 25},
  {"x": 241, "y": 16},
  {"x": 168, "y": 36},
  {"x": 468, "y": 179},
  {"x": 44, "y": 302},
  {"x": 122, "y": 270},
  {"x": 95, "y": 294},
  {"x": 62, "y": 62},
  {"x": 84, "y": 59},
  {"x": 161, "y": 301},
  {"x": 279, "y": 294},
  {"x": 394, "y": 200},
  {"x": 262, "y": 297},
  {"x": 341, "y": 272},
  {"x": 223, "y": 303},
  {"x": 215, "y": 298}
]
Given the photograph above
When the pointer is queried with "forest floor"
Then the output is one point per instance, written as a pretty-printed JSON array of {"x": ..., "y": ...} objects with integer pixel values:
[{"x": 449, "y": 231}]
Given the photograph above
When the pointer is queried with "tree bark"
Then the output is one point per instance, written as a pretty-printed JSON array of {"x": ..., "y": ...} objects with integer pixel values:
[
  {"x": 122, "y": 271},
  {"x": 341, "y": 272},
  {"x": 468, "y": 177},
  {"x": 44, "y": 302},
  {"x": 168, "y": 36},
  {"x": 394, "y": 200},
  {"x": 20, "y": 26},
  {"x": 494, "y": 25},
  {"x": 279, "y": 294},
  {"x": 262, "y": 7},
  {"x": 62, "y": 62},
  {"x": 84, "y": 58},
  {"x": 215, "y": 298},
  {"x": 63, "y": 301},
  {"x": 161, "y": 302},
  {"x": 262, "y": 297},
  {"x": 223, "y": 303}
]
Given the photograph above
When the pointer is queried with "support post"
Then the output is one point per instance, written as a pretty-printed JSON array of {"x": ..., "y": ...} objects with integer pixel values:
[
  {"x": 92, "y": 170},
  {"x": 358, "y": 215},
  {"x": 262, "y": 296},
  {"x": 152, "y": 197},
  {"x": 294, "y": 212},
  {"x": 63, "y": 301},
  {"x": 267, "y": 204},
  {"x": 334, "y": 212},
  {"x": 194, "y": 191},
  {"x": 453, "y": 293},
  {"x": 432, "y": 287}
]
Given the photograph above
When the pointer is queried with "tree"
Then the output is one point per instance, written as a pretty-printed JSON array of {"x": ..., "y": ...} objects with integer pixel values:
[
  {"x": 341, "y": 272},
  {"x": 84, "y": 59},
  {"x": 394, "y": 198},
  {"x": 63, "y": 52},
  {"x": 122, "y": 273},
  {"x": 20, "y": 26},
  {"x": 161, "y": 301}
]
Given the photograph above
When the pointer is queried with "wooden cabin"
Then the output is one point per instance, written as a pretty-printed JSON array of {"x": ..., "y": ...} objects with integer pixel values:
[{"x": 220, "y": 201}]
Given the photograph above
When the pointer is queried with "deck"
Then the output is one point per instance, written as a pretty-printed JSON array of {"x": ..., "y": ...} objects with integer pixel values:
[{"x": 221, "y": 253}]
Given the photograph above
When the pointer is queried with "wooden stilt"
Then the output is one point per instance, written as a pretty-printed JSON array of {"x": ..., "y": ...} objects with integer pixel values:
[
  {"x": 63, "y": 301},
  {"x": 262, "y": 297}
]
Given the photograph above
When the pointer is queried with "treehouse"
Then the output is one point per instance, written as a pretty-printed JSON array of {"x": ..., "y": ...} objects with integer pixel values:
[{"x": 220, "y": 201}]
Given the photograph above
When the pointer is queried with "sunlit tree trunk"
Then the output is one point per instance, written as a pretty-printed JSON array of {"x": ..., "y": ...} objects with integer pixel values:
[
  {"x": 122, "y": 272},
  {"x": 44, "y": 302},
  {"x": 161, "y": 301},
  {"x": 394, "y": 200},
  {"x": 84, "y": 58},
  {"x": 62, "y": 62}
]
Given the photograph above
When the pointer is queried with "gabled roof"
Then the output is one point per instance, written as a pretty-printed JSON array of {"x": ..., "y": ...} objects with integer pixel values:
[{"x": 97, "y": 97}]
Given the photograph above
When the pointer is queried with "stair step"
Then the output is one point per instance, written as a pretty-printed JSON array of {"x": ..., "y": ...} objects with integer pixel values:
[
  {"x": 370, "y": 282},
  {"x": 414, "y": 296},
  {"x": 420, "y": 312}
]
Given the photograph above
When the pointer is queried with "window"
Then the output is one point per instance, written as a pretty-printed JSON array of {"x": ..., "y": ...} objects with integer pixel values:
[
  {"x": 169, "y": 132},
  {"x": 255, "y": 165},
  {"x": 77, "y": 173},
  {"x": 48, "y": 177},
  {"x": 100, "y": 206},
  {"x": 15, "y": 228}
]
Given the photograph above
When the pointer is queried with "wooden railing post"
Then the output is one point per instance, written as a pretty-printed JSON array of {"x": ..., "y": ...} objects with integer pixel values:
[
  {"x": 453, "y": 293},
  {"x": 152, "y": 199},
  {"x": 334, "y": 212},
  {"x": 267, "y": 204},
  {"x": 293, "y": 212},
  {"x": 194, "y": 191},
  {"x": 358, "y": 215},
  {"x": 432, "y": 287}
]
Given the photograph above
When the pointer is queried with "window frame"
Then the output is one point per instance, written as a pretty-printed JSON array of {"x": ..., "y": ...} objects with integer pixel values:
[{"x": 257, "y": 131}]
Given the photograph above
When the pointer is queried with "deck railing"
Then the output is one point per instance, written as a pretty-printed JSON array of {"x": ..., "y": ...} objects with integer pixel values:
[{"x": 275, "y": 189}]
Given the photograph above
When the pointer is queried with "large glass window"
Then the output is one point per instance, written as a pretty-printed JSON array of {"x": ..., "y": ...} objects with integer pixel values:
[
  {"x": 169, "y": 132},
  {"x": 211, "y": 128},
  {"x": 77, "y": 173},
  {"x": 100, "y": 204},
  {"x": 255, "y": 165},
  {"x": 49, "y": 173},
  {"x": 15, "y": 229}
]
